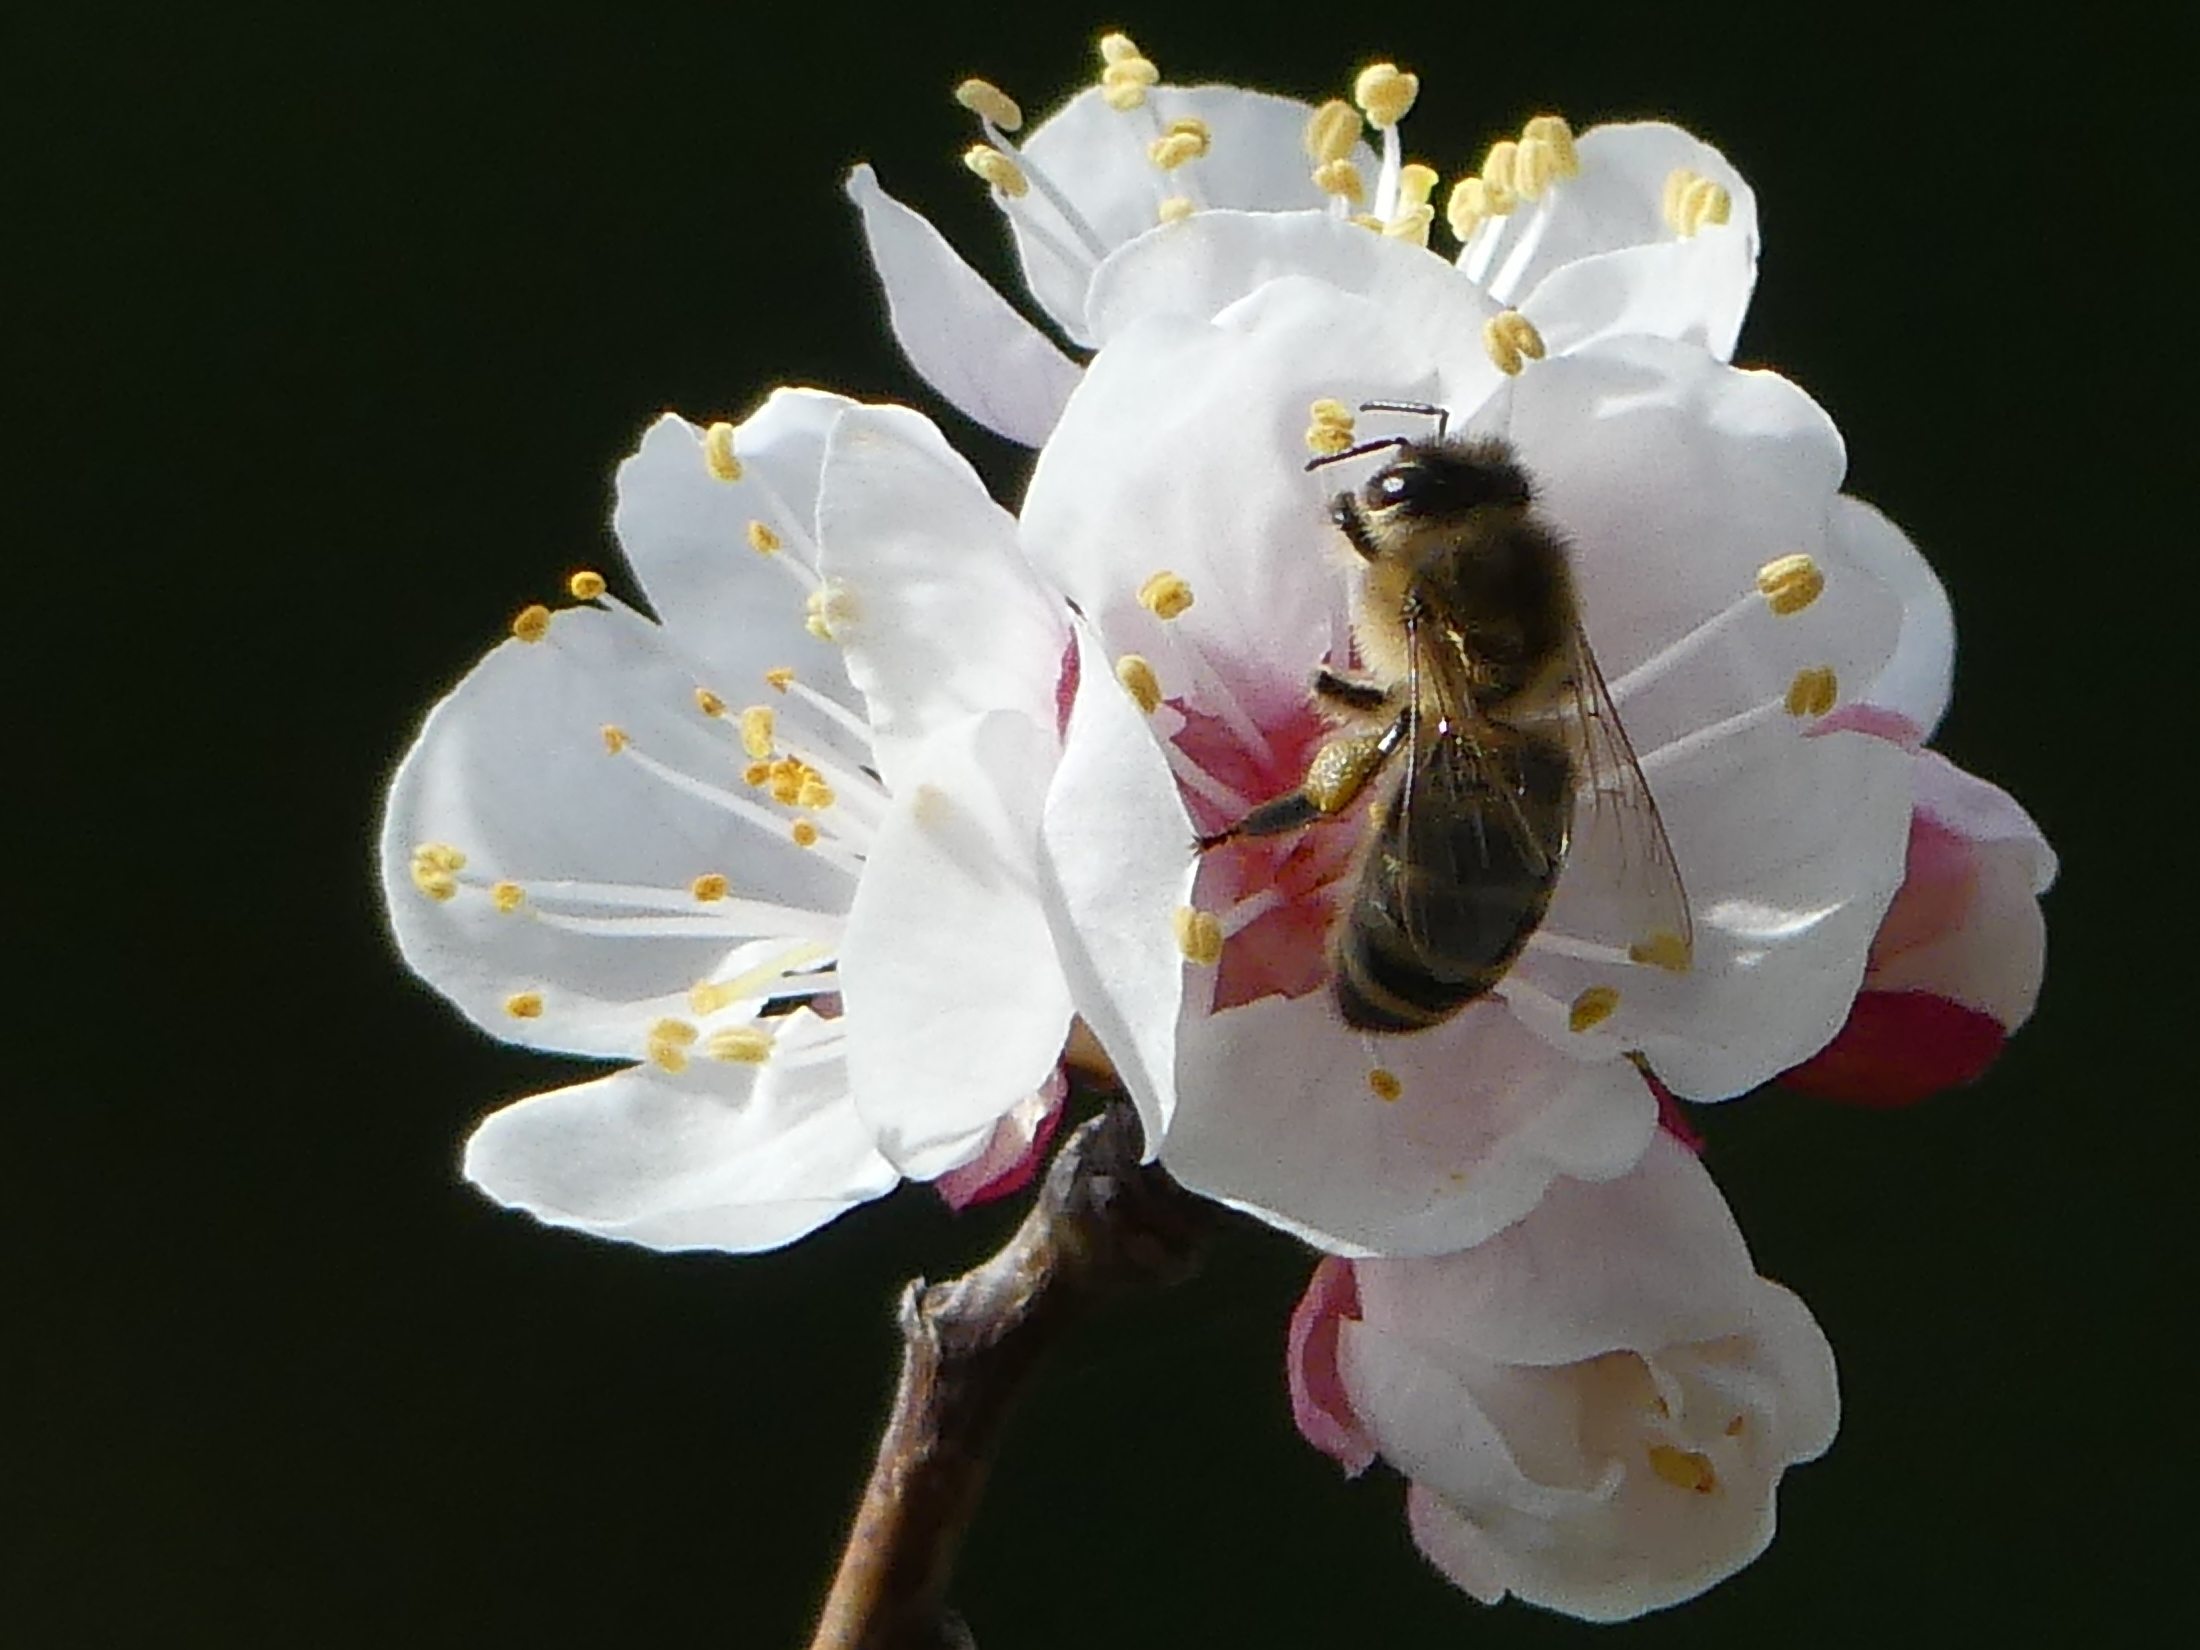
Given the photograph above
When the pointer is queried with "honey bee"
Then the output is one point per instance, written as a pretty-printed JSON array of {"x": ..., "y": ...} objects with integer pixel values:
[{"x": 1483, "y": 710}]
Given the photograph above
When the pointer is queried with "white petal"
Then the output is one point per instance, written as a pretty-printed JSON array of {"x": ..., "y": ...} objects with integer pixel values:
[
  {"x": 1917, "y": 680},
  {"x": 512, "y": 770},
  {"x": 718, "y": 1157},
  {"x": 963, "y": 337},
  {"x": 1276, "y": 1115},
  {"x": 1118, "y": 865},
  {"x": 957, "y": 1008},
  {"x": 1983, "y": 813},
  {"x": 943, "y": 617}
]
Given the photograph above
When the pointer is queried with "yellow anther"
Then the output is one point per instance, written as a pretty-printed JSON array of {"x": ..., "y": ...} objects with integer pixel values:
[
  {"x": 1165, "y": 595},
  {"x": 1384, "y": 1083},
  {"x": 1174, "y": 150},
  {"x": 1139, "y": 681},
  {"x": 532, "y": 623},
  {"x": 507, "y": 896},
  {"x": 1500, "y": 191},
  {"x": 756, "y": 773},
  {"x": 1411, "y": 224},
  {"x": 1512, "y": 341},
  {"x": 709, "y": 703},
  {"x": 434, "y": 869},
  {"x": 1468, "y": 206},
  {"x": 1552, "y": 131},
  {"x": 996, "y": 168},
  {"x": 1534, "y": 168},
  {"x": 1329, "y": 426},
  {"x": 1341, "y": 178},
  {"x": 667, "y": 1044},
  {"x": 804, "y": 834},
  {"x": 741, "y": 1045},
  {"x": 1416, "y": 183},
  {"x": 707, "y": 997},
  {"x": 1385, "y": 92},
  {"x": 1123, "y": 85},
  {"x": 1592, "y": 1008},
  {"x": 1368, "y": 221},
  {"x": 763, "y": 540},
  {"x": 1331, "y": 131},
  {"x": 435, "y": 884},
  {"x": 1174, "y": 209},
  {"x": 524, "y": 1005},
  {"x": 786, "y": 777},
  {"x": 1790, "y": 583},
  {"x": 1198, "y": 935},
  {"x": 614, "y": 738},
  {"x": 1813, "y": 691},
  {"x": 756, "y": 731},
  {"x": 718, "y": 452},
  {"x": 814, "y": 794},
  {"x": 779, "y": 678},
  {"x": 710, "y": 887},
  {"x": 1684, "y": 1469},
  {"x": 1674, "y": 193},
  {"x": 988, "y": 102},
  {"x": 825, "y": 608},
  {"x": 1689, "y": 202},
  {"x": 586, "y": 585},
  {"x": 1118, "y": 47},
  {"x": 1663, "y": 950}
]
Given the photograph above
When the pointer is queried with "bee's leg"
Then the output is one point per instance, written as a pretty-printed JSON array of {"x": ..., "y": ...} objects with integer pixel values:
[
  {"x": 1344, "y": 510},
  {"x": 1339, "y": 772},
  {"x": 1352, "y": 692}
]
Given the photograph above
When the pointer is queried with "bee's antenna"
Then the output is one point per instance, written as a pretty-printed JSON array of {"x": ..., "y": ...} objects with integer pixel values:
[
  {"x": 1361, "y": 451},
  {"x": 1427, "y": 409}
]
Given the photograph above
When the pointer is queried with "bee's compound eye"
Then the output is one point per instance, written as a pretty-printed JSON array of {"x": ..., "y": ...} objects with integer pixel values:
[{"x": 1399, "y": 484}]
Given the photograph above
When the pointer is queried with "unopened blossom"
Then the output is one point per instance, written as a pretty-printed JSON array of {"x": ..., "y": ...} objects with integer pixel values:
[
  {"x": 1593, "y": 1409},
  {"x": 775, "y": 851},
  {"x": 1629, "y": 228},
  {"x": 1722, "y": 589}
]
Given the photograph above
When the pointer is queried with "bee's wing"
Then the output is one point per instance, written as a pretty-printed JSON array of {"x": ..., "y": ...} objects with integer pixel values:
[{"x": 1618, "y": 841}]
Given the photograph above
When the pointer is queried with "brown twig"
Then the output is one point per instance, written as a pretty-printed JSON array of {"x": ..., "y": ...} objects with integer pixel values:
[{"x": 1103, "y": 1224}]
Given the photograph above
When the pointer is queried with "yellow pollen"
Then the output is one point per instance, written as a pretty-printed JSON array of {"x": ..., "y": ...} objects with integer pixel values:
[
  {"x": 434, "y": 869},
  {"x": 756, "y": 773},
  {"x": 1467, "y": 207},
  {"x": 1198, "y": 935},
  {"x": 1663, "y": 950},
  {"x": 718, "y": 452},
  {"x": 1500, "y": 192},
  {"x": 1368, "y": 221},
  {"x": 1553, "y": 132},
  {"x": 825, "y": 608},
  {"x": 996, "y": 168},
  {"x": 1512, "y": 341},
  {"x": 532, "y": 623},
  {"x": 1341, "y": 178},
  {"x": 814, "y": 794},
  {"x": 1127, "y": 74},
  {"x": 988, "y": 102},
  {"x": 614, "y": 738},
  {"x": 709, "y": 887},
  {"x": 1385, "y": 92},
  {"x": 707, "y": 997},
  {"x": 1174, "y": 209},
  {"x": 1684, "y": 1469},
  {"x": 741, "y": 1045},
  {"x": 756, "y": 731},
  {"x": 793, "y": 780},
  {"x": 1331, "y": 131},
  {"x": 507, "y": 896},
  {"x": 1690, "y": 201},
  {"x": 1118, "y": 47},
  {"x": 1384, "y": 1083},
  {"x": 1165, "y": 595},
  {"x": 586, "y": 585},
  {"x": 1174, "y": 150},
  {"x": 1592, "y": 1008},
  {"x": 667, "y": 1044},
  {"x": 1790, "y": 583},
  {"x": 804, "y": 834},
  {"x": 1813, "y": 691},
  {"x": 524, "y": 1005},
  {"x": 439, "y": 856},
  {"x": 709, "y": 703},
  {"x": 779, "y": 678},
  {"x": 1329, "y": 426},
  {"x": 762, "y": 539},
  {"x": 1139, "y": 681}
]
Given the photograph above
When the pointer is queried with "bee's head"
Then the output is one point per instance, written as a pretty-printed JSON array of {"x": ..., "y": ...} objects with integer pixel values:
[{"x": 1444, "y": 480}]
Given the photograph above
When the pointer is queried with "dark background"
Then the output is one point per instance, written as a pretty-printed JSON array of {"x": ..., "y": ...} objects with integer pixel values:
[{"x": 335, "y": 327}]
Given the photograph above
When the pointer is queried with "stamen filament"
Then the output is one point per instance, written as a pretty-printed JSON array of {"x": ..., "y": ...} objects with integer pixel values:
[
  {"x": 1688, "y": 745},
  {"x": 1655, "y": 668}
]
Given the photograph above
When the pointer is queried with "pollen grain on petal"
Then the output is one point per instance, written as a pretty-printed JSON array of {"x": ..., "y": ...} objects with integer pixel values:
[
  {"x": 988, "y": 102},
  {"x": 1790, "y": 583},
  {"x": 763, "y": 540},
  {"x": 1592, "y": 1008},
  {"x": 709, "y": 703},
  {"x": 740, "y": 1045},
  {"x": 531, "y": 623},
  {"x": 524, "y": 1005},
  {"x": 507, "y": 896},
  {"x": 586, "y": 585},
  {"x": 1813, "y": 691},
  {"x": 709, "y": 888},
  {"x": 1198, "y": 935},
  {"x": 1385, "y": 93},
  {"x": 614, "y": 738},
  {"x": 1165, "y": 595},
  {"x": 996, "y": 169},
  {"x": 1665, "y": 950},
  {"x": 1384, "y": 1084},
  {"x": 718, "y": 452},
  {"x": 1136, "y": 673},
  {"x": 758, "y": 724},
  {"x": 1684, "y": 1469}
]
